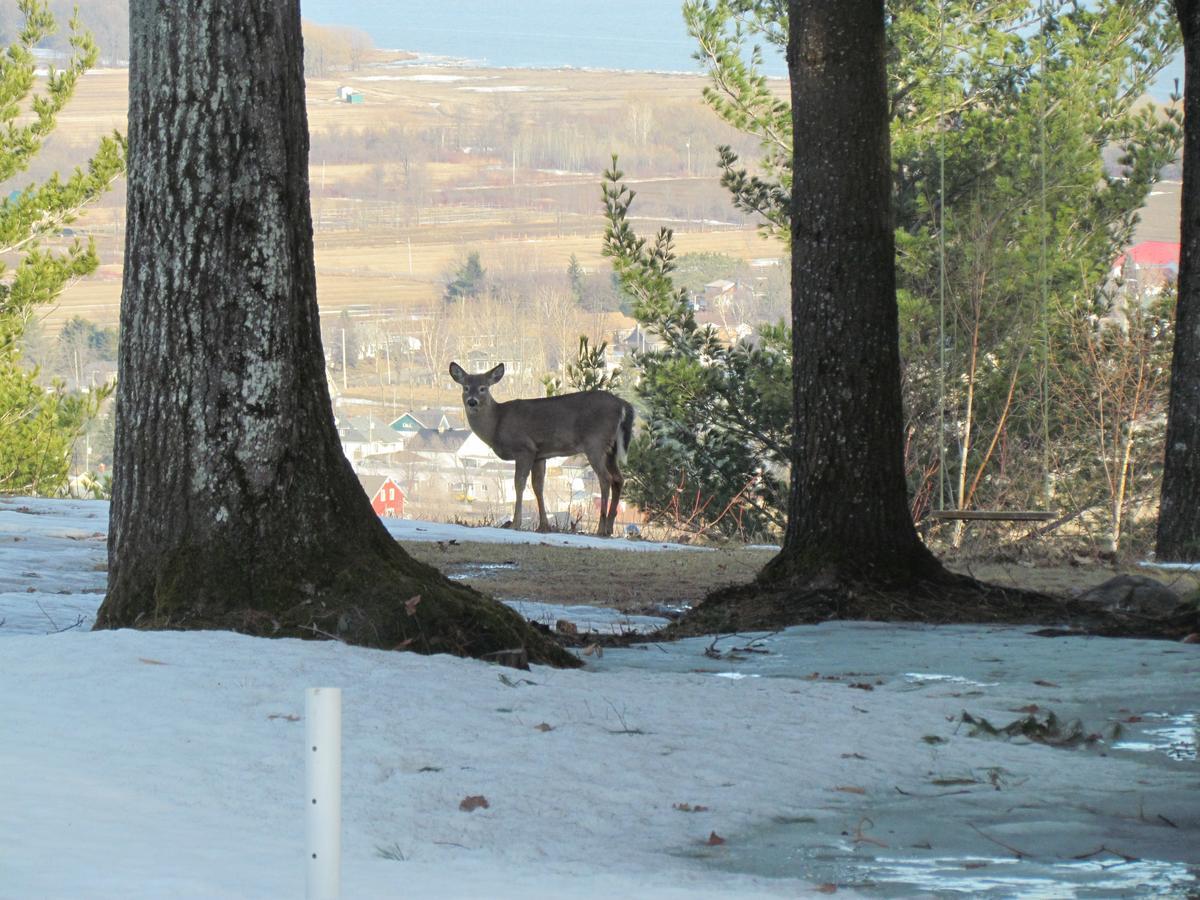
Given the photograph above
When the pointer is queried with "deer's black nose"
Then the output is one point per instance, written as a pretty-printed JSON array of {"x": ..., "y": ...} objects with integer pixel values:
[{"x": 472, "y": 402}]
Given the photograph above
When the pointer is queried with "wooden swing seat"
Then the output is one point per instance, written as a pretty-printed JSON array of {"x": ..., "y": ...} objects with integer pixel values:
[{"x": 995, "y": 515}]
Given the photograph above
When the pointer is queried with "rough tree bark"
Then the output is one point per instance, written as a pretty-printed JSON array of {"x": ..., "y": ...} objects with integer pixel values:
[
  {"x": 848, "y": 504},
  {"x": 233, "y": 506},
  {"x": 1178, "y": 535}
]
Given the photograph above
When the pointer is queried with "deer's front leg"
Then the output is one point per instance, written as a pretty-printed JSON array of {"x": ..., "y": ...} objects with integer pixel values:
[
  {"x": 539, "y": 483},
  {"x": 522, "y": 473}
]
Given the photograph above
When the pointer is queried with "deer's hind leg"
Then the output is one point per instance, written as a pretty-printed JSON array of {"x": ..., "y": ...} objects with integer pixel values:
[
  {"x": 539, "y": 483},
  {"x": 599, "y": 465},
  {"x": 618, "y": 481}
]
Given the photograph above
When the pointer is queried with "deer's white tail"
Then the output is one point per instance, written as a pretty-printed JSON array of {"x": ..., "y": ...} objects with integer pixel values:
[{"x": 624, "y": 432}]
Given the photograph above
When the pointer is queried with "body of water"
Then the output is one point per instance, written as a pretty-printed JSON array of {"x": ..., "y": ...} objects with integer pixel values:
[{"x": 638, "y": 35}]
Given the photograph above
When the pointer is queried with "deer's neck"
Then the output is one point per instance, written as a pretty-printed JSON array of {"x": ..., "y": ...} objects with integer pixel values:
[{"x": 484, "y": 421}]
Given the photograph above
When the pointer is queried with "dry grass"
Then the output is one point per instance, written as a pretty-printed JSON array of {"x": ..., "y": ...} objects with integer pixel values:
[
  {"x": 372, "y": 265},
  {"x": 622, "y": 579},
  {"x": 640, "y": 582}
]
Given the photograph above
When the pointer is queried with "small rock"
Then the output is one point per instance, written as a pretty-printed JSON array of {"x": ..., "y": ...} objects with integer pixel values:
[{"x": 1133, "y": 593}]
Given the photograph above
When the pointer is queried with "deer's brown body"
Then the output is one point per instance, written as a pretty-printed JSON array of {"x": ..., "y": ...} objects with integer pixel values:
[{"x": 595, "y": 423}]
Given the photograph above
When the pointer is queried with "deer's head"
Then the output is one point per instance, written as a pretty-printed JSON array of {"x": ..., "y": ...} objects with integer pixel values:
[{"x": 476, "y": 388}]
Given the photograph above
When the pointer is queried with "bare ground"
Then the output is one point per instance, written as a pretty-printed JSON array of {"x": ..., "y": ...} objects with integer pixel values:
[{"x": 647, "y": 582}]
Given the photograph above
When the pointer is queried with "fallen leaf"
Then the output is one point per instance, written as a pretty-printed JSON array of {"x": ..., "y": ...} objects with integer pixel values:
[
  {"x": 544, "y": 726},
  {"x": 826, "y": 888},
  {"x": 1042, "y": 683},
  {"x": 850, "y": 789},
  {"x": 1133, "y": 719},
  {"x": 288, "y": 718},
  {"x": 974, "y": 865},
  {"x": 714, "y": 839},
  {"x": 1031, "y": 708},
  {"x": 862, "y": 686},
  {"x": 151, "y": 662},
  {"x": 853, "y": 756},
  {"x": 410, "y": 605},
  {"x": 473, "y": 802},
  {"x": 687, "y": 807}
]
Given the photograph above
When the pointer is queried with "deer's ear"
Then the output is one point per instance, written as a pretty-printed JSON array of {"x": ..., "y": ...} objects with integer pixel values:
[
  {"x": 457, "y": 373},
  {"x": 495, "y": 374}
]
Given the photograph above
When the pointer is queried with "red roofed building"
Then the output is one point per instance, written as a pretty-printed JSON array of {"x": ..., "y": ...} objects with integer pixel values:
[
  {"x": 387, "y": 498},
  {"x": 1149, "y": 263},
  {"x": 1154, "y": 253}
]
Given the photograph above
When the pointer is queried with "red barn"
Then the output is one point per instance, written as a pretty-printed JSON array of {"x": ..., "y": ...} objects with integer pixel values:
[{"x": 387, "y": 497}]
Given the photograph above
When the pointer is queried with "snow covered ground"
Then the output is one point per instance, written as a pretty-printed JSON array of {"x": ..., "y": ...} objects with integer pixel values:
[{"x": 152, "y": 765}]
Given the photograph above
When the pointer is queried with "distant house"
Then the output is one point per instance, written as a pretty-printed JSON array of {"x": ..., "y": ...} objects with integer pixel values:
[
  {"x": 364, "y": 436},
  {"x": 1149, "y": 263},
  {"x": 419, "y": 419},
  {"x": 717, "y": 291},
  {"x": 440, "y": 448},
  {"x": 387, "y": 497},
  {"x": 641, "y": 340},
  {"x": 349, "y": 95},
  {"x": 1138, "y": 276}
]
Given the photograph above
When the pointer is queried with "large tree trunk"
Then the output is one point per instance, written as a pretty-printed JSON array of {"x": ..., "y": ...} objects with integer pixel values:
[
  {"x": 848, "y": 505},
  {"x": 233, "y": 505},
  {"x": 1179, "y": 511},
  {"x": 850, "y": 549}
]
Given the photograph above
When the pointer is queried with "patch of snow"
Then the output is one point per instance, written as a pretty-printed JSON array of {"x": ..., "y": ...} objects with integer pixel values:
[
  {"x": 1170, "y": 566},
  {"x": 142, "y": 765}
]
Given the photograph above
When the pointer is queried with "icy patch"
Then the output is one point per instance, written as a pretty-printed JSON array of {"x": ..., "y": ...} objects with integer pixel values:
[
  {"x": 463, "y": 571},
  {"x": 597, "y": 619},
  {"x": 929, "y": 677},
  {"x": 1172, "y": 734}
]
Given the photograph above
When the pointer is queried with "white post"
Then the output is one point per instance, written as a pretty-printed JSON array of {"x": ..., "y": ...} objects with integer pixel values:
[{"x": 323, "y": 799}]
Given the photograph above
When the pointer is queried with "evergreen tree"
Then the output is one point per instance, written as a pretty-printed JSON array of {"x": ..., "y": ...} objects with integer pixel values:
[
  {"x": 589, "y": 371},
  {"x": 38, "y": 426},
  {"x": 1019, "y": 100},
  {"x": 718, "y": 416},
  {"x": 468, "y": 280},
  {"x": 575, "y": 275}
]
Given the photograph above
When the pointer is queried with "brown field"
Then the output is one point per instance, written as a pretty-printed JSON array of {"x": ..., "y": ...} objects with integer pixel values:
[
  {"x": 400, "y": 258},
  {"x": 640, "y": 582}
]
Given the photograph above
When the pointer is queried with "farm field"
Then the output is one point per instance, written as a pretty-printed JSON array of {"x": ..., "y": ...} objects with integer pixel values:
[{"x": 375, "y": 248}]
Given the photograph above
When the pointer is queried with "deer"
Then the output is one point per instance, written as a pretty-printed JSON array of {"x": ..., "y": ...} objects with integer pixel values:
[{"x": 528, "y": 432}]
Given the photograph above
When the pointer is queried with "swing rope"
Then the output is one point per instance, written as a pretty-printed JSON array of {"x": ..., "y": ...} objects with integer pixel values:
[{"x": 1027, "y": 515}]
